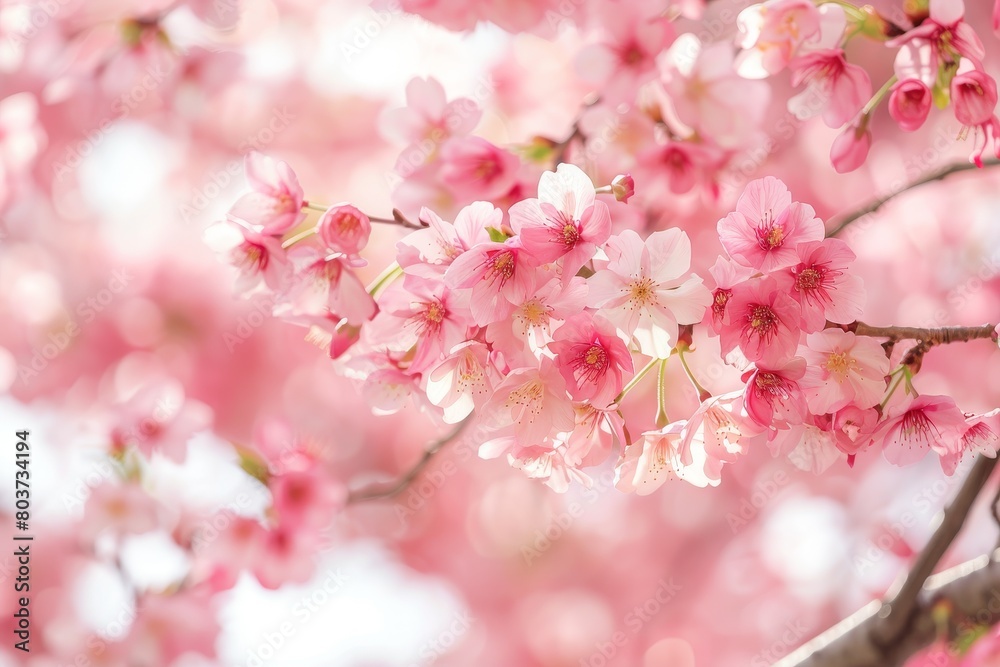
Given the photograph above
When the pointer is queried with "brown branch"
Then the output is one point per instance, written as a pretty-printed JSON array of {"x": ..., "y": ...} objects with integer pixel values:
[
  {"x": 377, "y": 491},
  {"x": 931, "y": 336},
  {"x": 886, "y": 634},
  {"x": 846, "y": 219}
]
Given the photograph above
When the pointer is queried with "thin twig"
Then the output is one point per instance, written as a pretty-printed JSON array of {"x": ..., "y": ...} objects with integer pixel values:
[
  {"x": 376, "y": 491},
  {"x": 846, "y": 219}
]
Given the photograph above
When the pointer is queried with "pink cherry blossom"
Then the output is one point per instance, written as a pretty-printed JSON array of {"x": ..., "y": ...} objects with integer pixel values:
[
  {"x": 566, "y": 221},
  {"x": 473, "y": 168},
  {"x": 941, "y": 40},
  {"x": 462, "y": 382},
  {"x": 258, "y": 257},
  {"x": 597, "y": 432},
  {"x": 428, "y": 116},
  {"x": 679, "y": 166},
  {"x": 533, "y": 401},
  {"x": 773, "y": 395},
  {"x": 623, "y": 187},
  {"x": 762, "y": 320},
  {"x": 123, "y": 508},
  {"x": 727, "y": 274},
  {"x": 845, "y": 88},
  {"x": 325, "y": 282},
  {"x": 432, "y": 250},
  {"x": 767, "y": 226},
  {"x": 909, "y": 103},
  {"x": 644, "y": 291},
  {"x": 980, "y": 435},
  {"x": 159, "y": 418},
  {"x": 716, "y": 434},
  {"x": 652, "y": 461},
  {"x": 854, "y": 428},
  {"x": 344, "y": 228},
  {"x": 306, "y": 499},
  {"x": 850, "y": 149},
  {"x": 591, "y": 358},
  {"x": 706, "y": 93},
  {"x": 275, "y": 203},
  {"x": 168, "y": 626},
  {"x": 772, "y": 32},
  {"x": 915, "y": 426},
  {"x": 843, "y": 369},
  {"x": 823, "y": 285},
  {"x": 554, "y": 466},
  {"x": 500, "y": 276},
  {"x": 529, "y": 326},
  {"x": 428, "y": 316},
  {"x": 285, "y": 556},
  {"x": 974, "y": 96},
  {"x": 626, "y": 56}
]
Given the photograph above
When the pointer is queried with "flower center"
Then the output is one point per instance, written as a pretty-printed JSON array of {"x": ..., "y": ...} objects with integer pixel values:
[
  {"x": 348, "y": 223},
  {"x": 570, "y": 234},
  {"x": 500, "y": 266},
  {"x": 770, "y": 236},
  {"x": 719, "y": 301},
  {"x": 642, "y": 292},
  {"x": 762, "y": 319},
  {"x": 839, "y": 363},
  {"x": 596, "y": 356},
  {"x": 810, "y": 278},
  {"x": 435, "y": 312},
  {"x": 916, "y": 424}
]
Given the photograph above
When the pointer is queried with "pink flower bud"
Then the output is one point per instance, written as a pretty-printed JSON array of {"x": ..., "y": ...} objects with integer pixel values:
[
  {"x": 343, "y": 227},
  {"x": 974, "y": 95},
  {"x": 850, "y": 149},
  {"x": 909, "y": 104},
  {"x": 623, "y": 187}
]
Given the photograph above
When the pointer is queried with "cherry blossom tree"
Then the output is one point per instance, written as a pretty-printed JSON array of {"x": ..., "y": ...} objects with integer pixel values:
[{"x": 662, "y": 333}]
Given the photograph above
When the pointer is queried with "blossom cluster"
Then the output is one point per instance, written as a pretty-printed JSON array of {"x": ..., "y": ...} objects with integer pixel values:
[
  {"x": 680, "y": 110},
  {"x": 531, "y": 321}
]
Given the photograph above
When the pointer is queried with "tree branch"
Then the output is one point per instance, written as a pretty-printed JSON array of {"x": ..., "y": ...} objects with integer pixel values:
[
  {"x": 931, "y": 336},
  {"x": 885, "y": 634},
  {"x": 377, "y": 491},
  {"x": 844, "y": 220}
]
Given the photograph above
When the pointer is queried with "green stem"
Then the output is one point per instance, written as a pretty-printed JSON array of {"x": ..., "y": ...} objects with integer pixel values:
[
  {"x": 879, "y": 94},
  {"x": 314, "y": 207},
  {"x": 298, "y": 237},
  {"x": 703, "y": 394},
  {"x": 385, "y": 278},
  {"x": 896, "y": 377},
  {"x": 635, "y": 380},
  {"x": 661, "y": 396}
]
